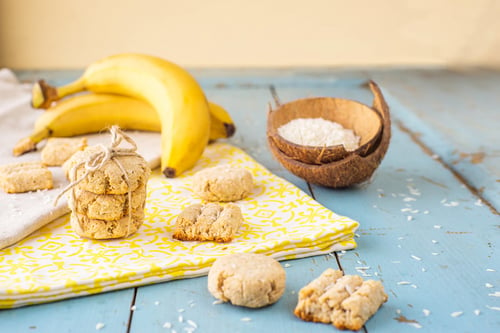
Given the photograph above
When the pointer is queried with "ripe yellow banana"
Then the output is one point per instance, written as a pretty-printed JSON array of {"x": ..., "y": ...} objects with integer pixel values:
[
  {"x": 175, "y": 95},
  {"x": 93, "y": 113}
]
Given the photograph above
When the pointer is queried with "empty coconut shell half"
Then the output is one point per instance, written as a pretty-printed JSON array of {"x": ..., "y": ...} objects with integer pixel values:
[
  {"x": 363, "y": 120},
  {"x": 352, "y": 168}
]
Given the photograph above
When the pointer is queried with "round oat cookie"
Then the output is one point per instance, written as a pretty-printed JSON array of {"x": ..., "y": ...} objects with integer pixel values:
[
  {"x": 247, "y": 279},
  {"x": 102, "y": 229},
  {"x": 105, "y": 206},
  {"x": 109, "y": 179},
  {"x": 223, "y": 183}
]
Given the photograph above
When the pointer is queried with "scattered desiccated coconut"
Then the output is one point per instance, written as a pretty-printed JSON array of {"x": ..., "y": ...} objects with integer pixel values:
[
  {"x": 456, "y": 314},
  {"x": 99, "y": 326},
  {"x": 246, "y": 319},
  {"x": 496, "y": 308},
  {"x": 426, "y": 312},
  {"x": 447, "y": 203},
  {"x": 495, "y": 294},
  {"x": 416, "y": 258},
  {"x": 477, "y": 312},
  {"x": 167, "y": 324},
  {"x": 488, "y": 285}
]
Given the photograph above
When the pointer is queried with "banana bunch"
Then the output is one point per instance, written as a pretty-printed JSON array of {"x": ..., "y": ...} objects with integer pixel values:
[{"x": 137, "y": 92}]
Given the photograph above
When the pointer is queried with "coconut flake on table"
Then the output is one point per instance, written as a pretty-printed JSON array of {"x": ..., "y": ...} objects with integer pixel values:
[{"x": 318, "y": 132}]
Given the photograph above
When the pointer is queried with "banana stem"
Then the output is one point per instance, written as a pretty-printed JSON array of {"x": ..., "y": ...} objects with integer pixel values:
[
  {"x": 29, "y": 143},
  {"x": 43, "y": 94}
]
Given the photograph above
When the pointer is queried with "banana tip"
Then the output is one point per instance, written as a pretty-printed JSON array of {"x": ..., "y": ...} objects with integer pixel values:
[
  {"x": 230, "y": 129},
  {"x": 169, "y": 172}
]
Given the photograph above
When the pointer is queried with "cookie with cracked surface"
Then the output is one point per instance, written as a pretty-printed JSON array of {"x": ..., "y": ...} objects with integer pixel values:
[
  {"x": 106, "y": 229},
  {"x": 110, "y": 178},
  {"x": 25, "y": 177},
  {"x": 59, "y": 150},
  {"x": 347, "y": 301},
  {"x": 106, "y": 206},
  {"x": 355, "y": 310},
  {"x": 309, "y": 308},
  {"x": 223, "y": 183},
  {"x": 247, "y": 279},
  {"x": 210, "y": 222}
]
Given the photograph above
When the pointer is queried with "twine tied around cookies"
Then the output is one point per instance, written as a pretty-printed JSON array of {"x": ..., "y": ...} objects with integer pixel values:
[{"x": 97, "y": 160}]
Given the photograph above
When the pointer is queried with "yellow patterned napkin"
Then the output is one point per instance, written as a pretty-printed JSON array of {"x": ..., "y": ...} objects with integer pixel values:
[{"x": 280, "y": 221}]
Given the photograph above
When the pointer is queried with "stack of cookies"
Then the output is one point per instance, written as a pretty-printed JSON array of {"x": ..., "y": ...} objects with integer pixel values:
[{"x": 109, "y": 201}]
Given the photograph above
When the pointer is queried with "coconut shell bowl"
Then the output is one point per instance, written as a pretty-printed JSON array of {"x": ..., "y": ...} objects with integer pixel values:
[{"x": 333, "y": 166}]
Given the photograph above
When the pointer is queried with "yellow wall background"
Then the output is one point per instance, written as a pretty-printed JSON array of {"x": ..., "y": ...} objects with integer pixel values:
[{"x": 60, "y": 34}]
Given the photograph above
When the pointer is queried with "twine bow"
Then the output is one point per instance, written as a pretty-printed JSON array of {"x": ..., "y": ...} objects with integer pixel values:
[{"x": 97, "y": 160}]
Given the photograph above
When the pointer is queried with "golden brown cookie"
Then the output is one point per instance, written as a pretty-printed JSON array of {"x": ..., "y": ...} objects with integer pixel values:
[
  {"x": 355, "y": 310},
  {"x": 210, "y": 222},
  {"x": 59, "y": 150},
  {"x": 106, "y": 206},
  {"x": 347, "y": 301},
  {"x": 223, "y": 183},
  {"x": 309, "y": 308},
  {"x": 247, "y": 279},
  {"x": 25, "y": 177},
  {"x": 109, "y": 179},
  {"x": 103, "y": 229}
]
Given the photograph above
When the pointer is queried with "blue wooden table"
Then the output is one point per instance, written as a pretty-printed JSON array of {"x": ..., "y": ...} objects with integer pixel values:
[{"x": 430, "y": 226}]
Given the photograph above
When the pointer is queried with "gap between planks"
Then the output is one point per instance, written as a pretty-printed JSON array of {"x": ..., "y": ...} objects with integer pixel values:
[
  {"x": 427, "y": 150},
  {"x": 131, "y": 310}
]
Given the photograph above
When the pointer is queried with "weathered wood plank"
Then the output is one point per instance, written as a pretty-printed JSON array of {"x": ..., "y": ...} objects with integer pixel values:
[
  {"x": 460, "y": 111},
  {"x": 73, "y": 315}
]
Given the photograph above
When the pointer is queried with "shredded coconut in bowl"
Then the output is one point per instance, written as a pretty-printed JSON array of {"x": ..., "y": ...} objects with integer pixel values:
[{"x": 318, "y": 132}]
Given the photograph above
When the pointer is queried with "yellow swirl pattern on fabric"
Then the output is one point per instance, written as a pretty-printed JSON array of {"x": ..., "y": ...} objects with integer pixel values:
[{"x": 280, "y": 221}]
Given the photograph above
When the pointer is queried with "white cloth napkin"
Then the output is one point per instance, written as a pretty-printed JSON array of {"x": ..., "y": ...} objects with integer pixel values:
[{"x": 23, "y": 213}]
